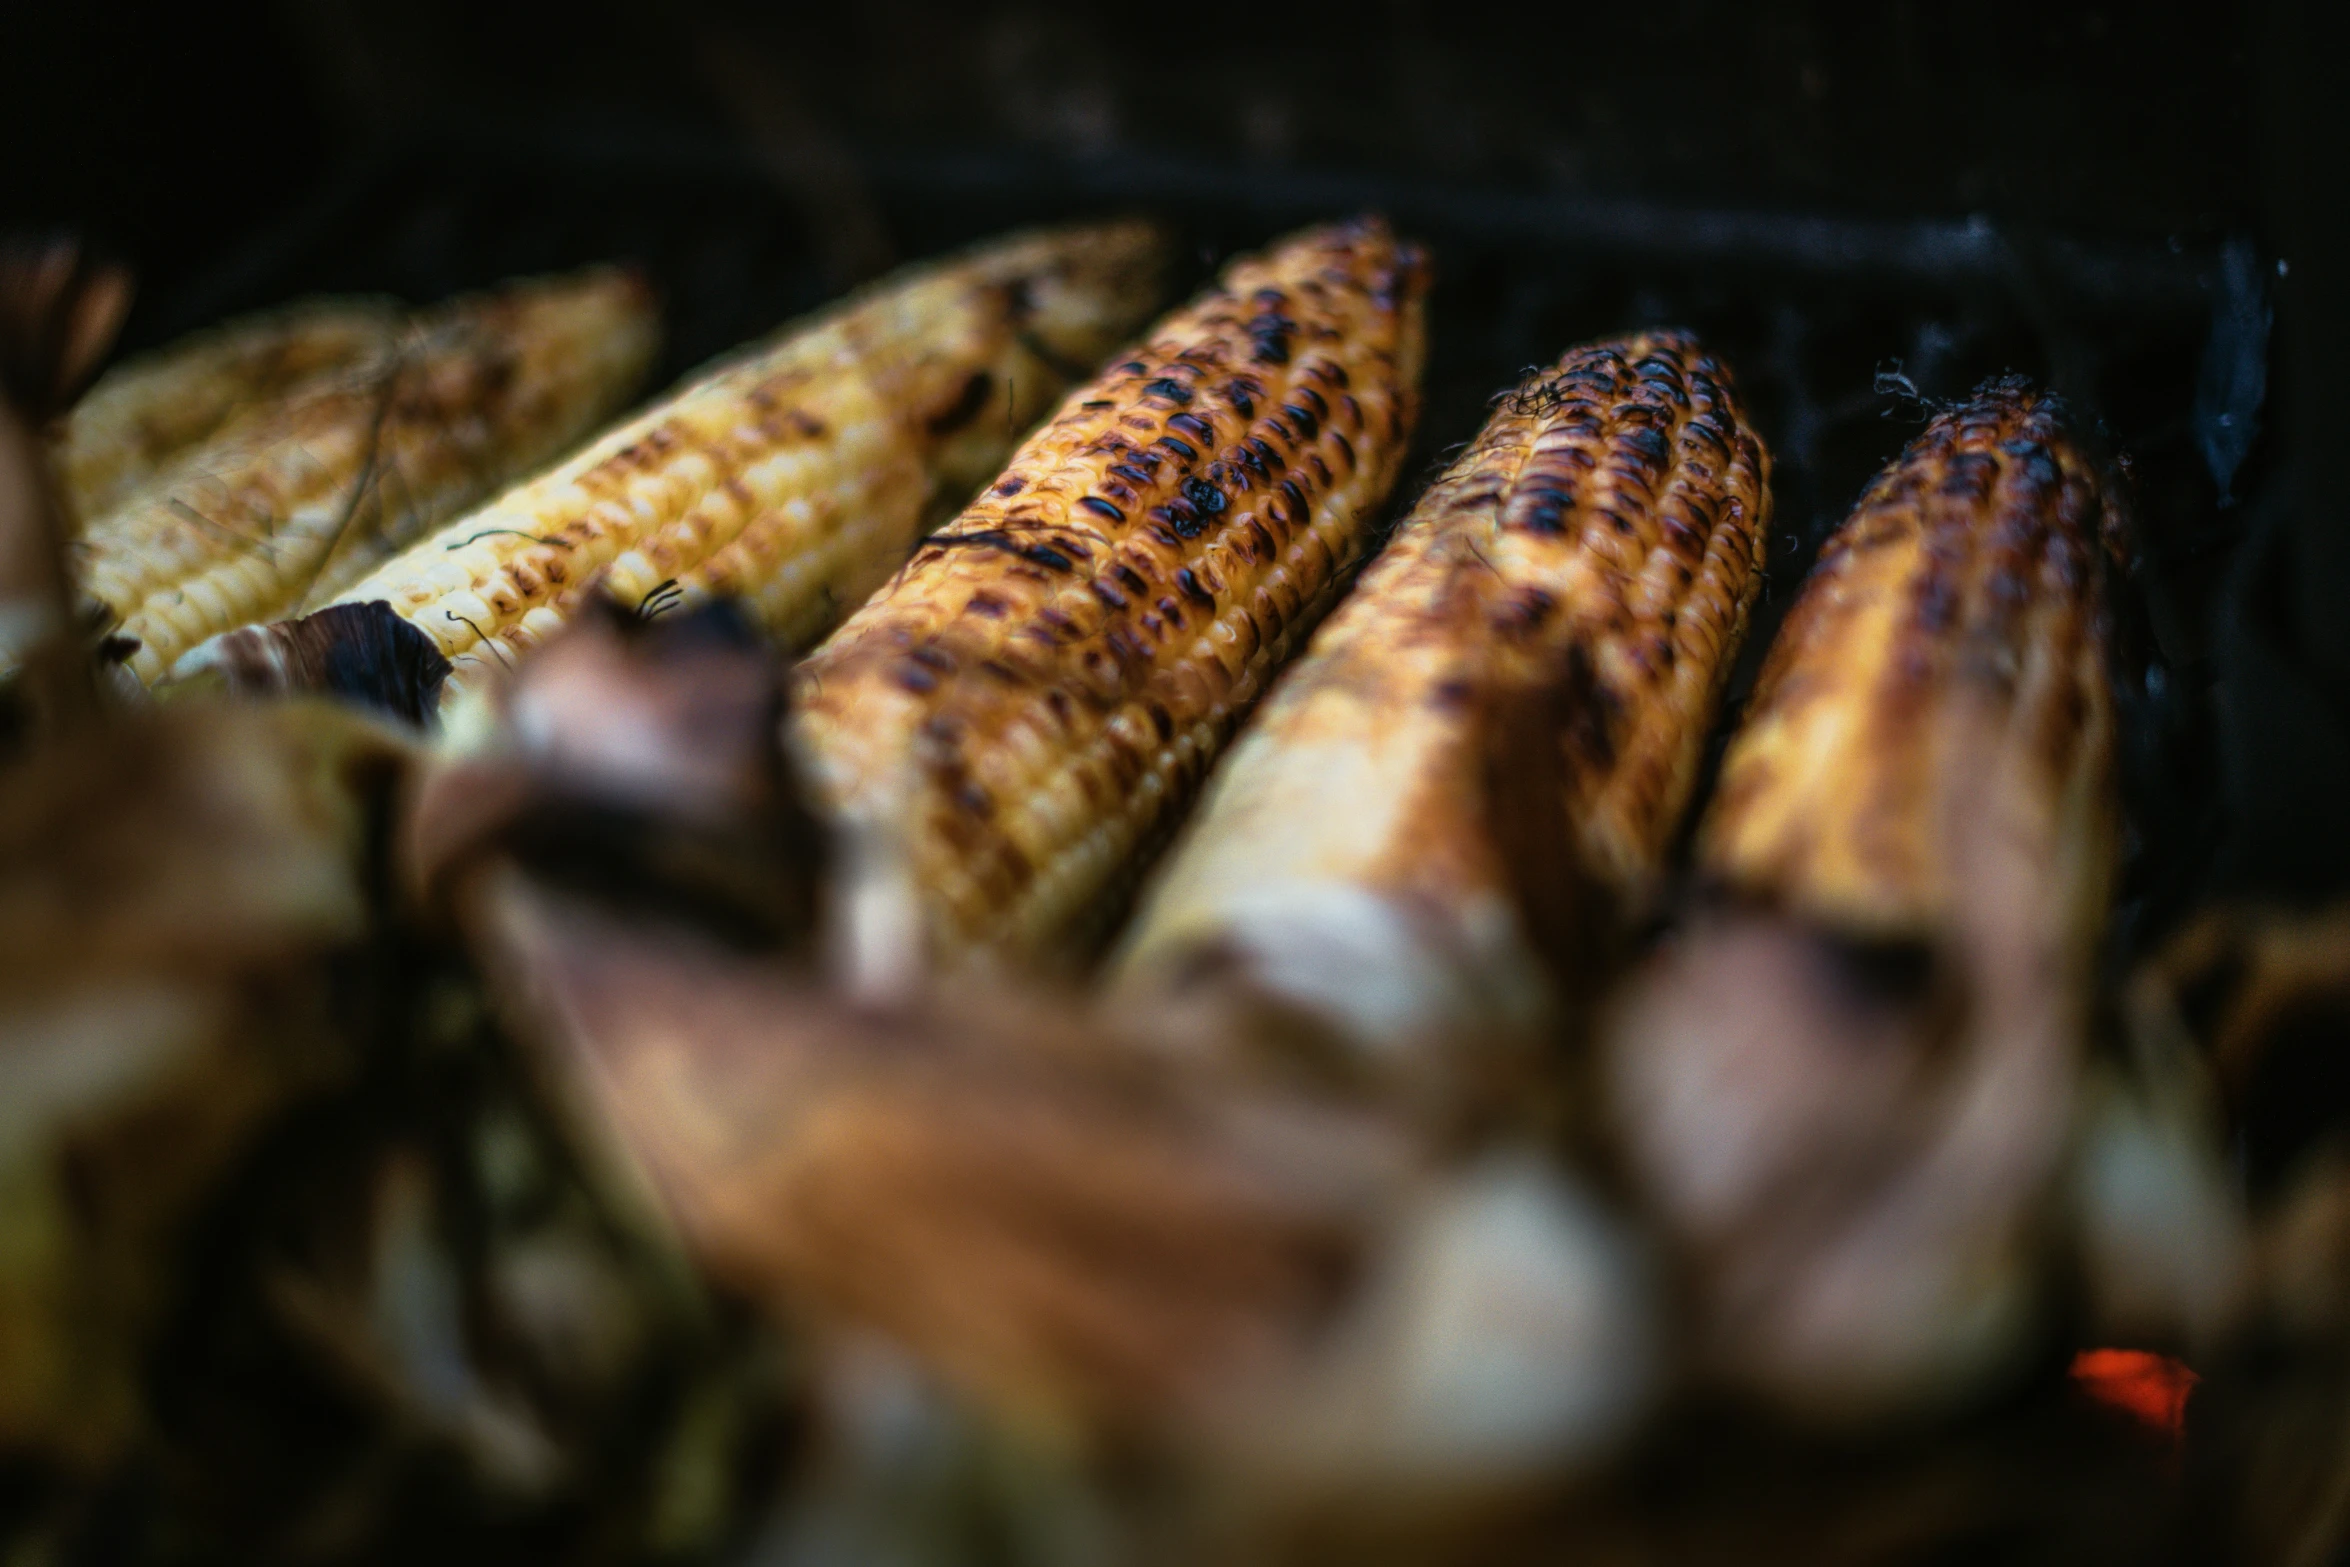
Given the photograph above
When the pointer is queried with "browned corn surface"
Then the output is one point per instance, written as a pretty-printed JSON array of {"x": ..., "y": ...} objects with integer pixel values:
[
  {"x": 1029, "y": 704},
  {"x": 1612, "y": 515},
  {"x": 144, "y": 414},
  {"x": 1946, "y": 659},
  {"x": 304, "y": 500},
  {"x": 797, "y": 476}
]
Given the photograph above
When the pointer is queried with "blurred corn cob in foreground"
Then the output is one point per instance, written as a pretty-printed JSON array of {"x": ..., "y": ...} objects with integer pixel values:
[
  {"x": 1072, "y": 1236},
  {"x": 1851, "y": 1095},
  {"x": 145, "y": 414},
  {"x": 794, "y": 478},
  {"x": 304, "y": 498},
  {"x": 1605, "y": 532},
  {"x": 1027, "y": 706}
]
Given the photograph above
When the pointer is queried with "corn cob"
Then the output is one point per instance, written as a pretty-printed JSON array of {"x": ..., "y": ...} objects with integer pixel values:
[
  {"x": 1963, "y": 586},
  {"x": 309, "y": 496},
  {"x": 1611, "y": 515},
  {"x": 797, "y": 476},
  {"x": 143, "y": 415},
  {"x": 1026, "y": 706},
  {"x": 1918, "y": 811}
]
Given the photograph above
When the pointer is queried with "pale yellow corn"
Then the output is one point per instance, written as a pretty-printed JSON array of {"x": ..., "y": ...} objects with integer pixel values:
[
  {"x": 797, "y": 476},
  {"x": 307, "y": 498},
  {"x": 148, "y": 413}
]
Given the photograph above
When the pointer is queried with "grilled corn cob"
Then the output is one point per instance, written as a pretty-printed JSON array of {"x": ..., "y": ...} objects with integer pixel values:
[
  {"x": 143, "y": 415},
  {"x": 1612, "y": 514},
  {"x": 797, "y": 476},
  {"x": 1918, "y": 812},
  {"x": 1027, "y": 705},
  {"x": 1964, "y": 582},
  {"x": 309, "y": 496}
]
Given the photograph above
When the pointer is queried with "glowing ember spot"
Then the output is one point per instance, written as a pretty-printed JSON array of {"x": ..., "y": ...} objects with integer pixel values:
[{"x": 2153, "y": 1388}]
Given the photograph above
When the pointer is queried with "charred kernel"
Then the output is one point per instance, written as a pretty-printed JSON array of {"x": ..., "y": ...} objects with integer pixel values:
[
  {"x": 1204, "y": 495},
  {"x": 1649, "y": 443},
  {"x": 1171, "y": 611},
  {"x": 914, "y": 678},
  {"x": 1011, "y": 485},
  {"x": 1187, "y": 453},
  {"x": 1294, "y": 495},
  {"x": 1242, "y": 403},
  {"x": 1194, "y": 426},
  {"x": 1307, "y": 395},
  {"x": 1302, "y": 420},
  {"x": 1269, "y": 458},
  {"x": 1162, "y": 721},
  {"x": 1172, "y": 390},
  {"x": 1111, "y": 598},
  {"x": 1192, "y": 590},
  {"x": 1345, "y": 447},
  {"x": 1132, "y": 580},
  {"x": 1131, "y": 474},
  {"x": 1099, "y": 402},
  {"x": 1182, "y": 516},
  {"x": 1102, "y": 508}
]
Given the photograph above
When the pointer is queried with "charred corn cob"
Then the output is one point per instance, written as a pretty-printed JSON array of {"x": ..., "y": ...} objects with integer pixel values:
[
  {"x": 797, "y": 476},
  {"x": 308, "y": 497},
  {"x": 144, "y": 414},
  {"x": 1612, "y": 514},
  {"x": 1962, "y": 587},
  {"x": 1859, "y": 1174},
  {"x": 1027, "y": 705}
]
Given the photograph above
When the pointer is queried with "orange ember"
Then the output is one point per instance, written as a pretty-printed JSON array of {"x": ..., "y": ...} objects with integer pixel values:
[{"x": 2151, "y": 1387}]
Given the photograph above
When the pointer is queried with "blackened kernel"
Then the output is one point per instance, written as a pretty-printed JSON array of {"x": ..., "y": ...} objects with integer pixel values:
[
  {"x": 1295, "y": 495},
  {"x": 1194, "y": 426},
  {"x": 1130, "y": 473},
  {"x": 914, "y": 678},
  {"x": 1101, "y": 508},
  {"x": 1345, "y": 447},
  {"x": 1268, "y": 456},
  {"x": 1306, "y": 394},
  {"x": 1192, "y": 590},
  {"x": 1098, "y": 402},
  {"x": 1302, "y": 419},
  {"x": 1242, "y": 404},
  {"x": 1134, "y": 367},
  {"x": 1131, "y": 578},
  {"x": 1011, "y": 485},
  {"x": 1171, "y": 612},
  {"x": 1172, "y": 390},
  {"x": 1204, "y": 495},
  {"x": 1111, "y": 598},
  {"x": 1648, "y": 442},
  {"x": 1182, "y": 516},
  {"x": 1188, "y": 453}
]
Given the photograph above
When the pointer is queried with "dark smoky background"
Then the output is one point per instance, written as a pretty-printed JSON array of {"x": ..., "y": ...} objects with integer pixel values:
[{"x": 1865, "y": 209}]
